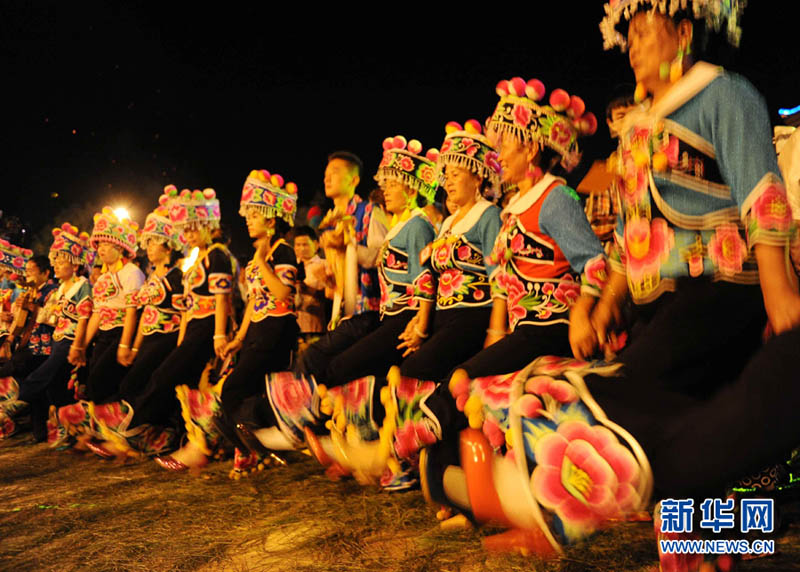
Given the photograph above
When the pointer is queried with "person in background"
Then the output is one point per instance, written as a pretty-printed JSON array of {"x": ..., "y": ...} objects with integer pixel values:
[{"x": 311, "y": 291}]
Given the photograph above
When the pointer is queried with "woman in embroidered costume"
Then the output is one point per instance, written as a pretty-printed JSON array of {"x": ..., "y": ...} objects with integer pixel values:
[
  {"x": 407, "y": 291},
  {"x": 265, "y": 339},
  {"x": 69, "y": 309},
  {"x": 207, "y": 286},
  {"x": 112, "y": 326},
  {"x": 160, "y": 302},
  {"x": 467, "y": 166}
]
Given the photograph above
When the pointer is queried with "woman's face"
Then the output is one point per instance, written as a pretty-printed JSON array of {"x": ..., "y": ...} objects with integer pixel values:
[
  {"x": 652, "y": 39},
  {"x": 461, "y": 185},
  {"x": 157, "y": 252},
  {"x": 197, "y": 236},
  {"x": 108, "y": 253},
  {"x": 515, "y": 158},
  {"x": 258, "y": 226},
  {"x": 63, "y": 268},
  {"x": 397, "y": 197}
]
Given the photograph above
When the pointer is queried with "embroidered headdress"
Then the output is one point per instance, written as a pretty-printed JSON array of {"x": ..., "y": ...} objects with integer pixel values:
[
  {"x": 13, "y": 257},
  {"x": 715, "y": 13},
  {"x": 109, "y": 228},
  {"x": 267, "y": 193},
  {"x": 159, "y": 227},
  {"x": 70, "y": 243},
  {"x": 404, "y": 162},
  {"x": 469, "y": 148},
  {"x": 192, "y": 207},
  {"x": 557, "y": 125}
]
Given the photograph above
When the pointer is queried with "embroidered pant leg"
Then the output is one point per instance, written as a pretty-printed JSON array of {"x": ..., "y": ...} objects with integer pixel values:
[
  {"x": 184, "y": 364},
  {"x": 267, "y": 348},
  {"x": 154, "y": 350},
  {"x": 518, "y": 349},
  {"x": 373, "y": 354},
  {"x": 105, "y": 372},
  {"x": 54, "y": 371},
  {"x": 316, "y": 357},
  {"x": 457, "y": 335},
  {"x": 699, "y": 336},
  {"x": 697, "y": 447}
]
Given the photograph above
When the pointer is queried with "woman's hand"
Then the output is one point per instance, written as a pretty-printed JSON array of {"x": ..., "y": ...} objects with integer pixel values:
[
  {"x": 220, "y": 343},
  {"x": 77, "y": 356},
  {"x": 232, "y": 347},
  {"x": 124, "y": 356},
  {"x": 582, "y": 337}
]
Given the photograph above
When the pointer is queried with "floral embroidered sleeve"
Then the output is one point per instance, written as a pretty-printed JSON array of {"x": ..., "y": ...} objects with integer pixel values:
[
  {"x": 83, "y": 301},
  {"x": 489, "y": 226},
  {"x": 563, "y": 219},
  {"x": 131, "y": 280},
  {"x": 220, "y": 278},
  {"x": 285, "y": 264},
  {"x": 742, "y": 142},
  {"x": 421, "y": 274}
]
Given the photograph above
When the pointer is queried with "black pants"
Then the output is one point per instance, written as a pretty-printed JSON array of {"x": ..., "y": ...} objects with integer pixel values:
[
  {"x": 458, "y": 334},
  {"x": 317, "y": 357},
  {"x": 154, "y": 350},
  {"x": 518, "y": 349},
  {"x": 696, "y": 447},
  {"x": 701, "y": 335},
  {"x": 21, "y": 364},
  {"x": 46, "y": 385},
  {"x": 373, "y": 354},
  {"x": 184, "y": 364},
  {"x": 267, "y": 347},
  {"x": 105, "y": 372}
]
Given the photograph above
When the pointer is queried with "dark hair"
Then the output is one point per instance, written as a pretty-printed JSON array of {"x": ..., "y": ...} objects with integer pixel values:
[
  {"x": 305, "y": 231},
  {"x": 550, "y": 161},
  {"x": 42, "y": 263},
  {"x": 351, "y": 158},
  {"x": 281, "y": 228},
  {"x": 621, "y": 99}
]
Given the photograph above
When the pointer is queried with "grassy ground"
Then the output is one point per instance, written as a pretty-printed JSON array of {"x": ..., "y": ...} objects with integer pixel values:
[{"x": 61, "y": 511}]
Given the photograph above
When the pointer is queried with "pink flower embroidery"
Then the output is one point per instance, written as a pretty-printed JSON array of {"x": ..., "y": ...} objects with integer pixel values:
[
  {"x": 463, "y": 252},
  {"x": 771, "y": 210},
  {"x": 201, "y": 212},
  {"x": 406, "y": 163},
  {"x": 288, "y": 205},
  {"x": 559, "y": 390},
  {"x": 18, "y": 262},
  {"x": 356, "y": 393},
  {"x": 727, "y": 249},
  {"x": 516, "y": 311},
  {"x": 149, "y": 316},
  {"x": 110, "y": 413},
  {"x": 560, "y": 133},
  {"x": 391, "y": 260},
  {"x": 596, "y": 272},
  {"x": 441, "y": 254},
  {"x": 450, "y": 282},
  {"x": 289, "y": 394},
  {"x": 517, "y": 243},
  {"x": 409, "y": 388},
  {"x": 584, "y": 475},
  {"x": 200, "y": 405},
  {"x": 427, "y": 173},
  {"x": 522, "y": 115},
  {"x": 509, "y": 283},
  {"x": 101, "y": 225},
  {"x": 177, "y": 213},
  {"x": 494, "y": 390},
  {"x": 568, "y": 291},
  {"x": 75, "y": 250},
  {"x": 493, "y": 433},
  {"x": 446, "y": 146},
  {"x": 366, "y": 280},
  {"x": 647, "y": 245},
  {"x": 73, "y": 414},
  {"x": 7, "y": 386},
  {"x": 409, "y": 438},
  {"x": 425, "y": 284}
]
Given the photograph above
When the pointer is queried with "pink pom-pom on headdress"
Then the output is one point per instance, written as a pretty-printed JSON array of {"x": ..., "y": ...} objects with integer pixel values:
[
  {"x": 588, "y": 123},
  {"x": 517, "y": 86},
  {"x": 291, "y": 188},
  {"x": 399, "y": 142},
  {"x": 266, "y": 174},
  {"x": 276, "y": 180},
  {"x": 534, "y": 89},
  {"x": 414, "y": 146},
  {"x": 559, "y": 100},
  {"x": 472, "y": 126},
  {"x": 452, "y": 127},
  {"x": 432, "y": 154},
  {"x": 502, "y": 88},
  {"x": 209, "y": 193},
  {"x": 388, "y": 144},
  {"x": 576, "y": 107}
]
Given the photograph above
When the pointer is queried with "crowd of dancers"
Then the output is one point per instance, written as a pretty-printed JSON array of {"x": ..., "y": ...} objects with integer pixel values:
[{"x": 525, "y": 364}]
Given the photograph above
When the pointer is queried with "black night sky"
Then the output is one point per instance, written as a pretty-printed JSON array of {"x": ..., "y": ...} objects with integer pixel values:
[{"x": 108, "y": 102}]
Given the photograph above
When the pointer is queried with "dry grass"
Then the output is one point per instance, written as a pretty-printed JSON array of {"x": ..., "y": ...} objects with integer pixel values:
[{"x": 60, "y": 511}]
